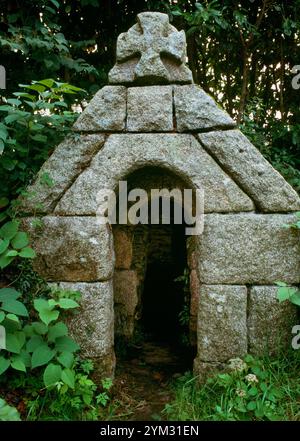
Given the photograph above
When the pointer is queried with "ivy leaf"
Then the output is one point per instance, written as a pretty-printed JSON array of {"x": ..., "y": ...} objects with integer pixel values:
[
  {"x": 52, "y": 374},
  {"x": 41, "y": 355}
]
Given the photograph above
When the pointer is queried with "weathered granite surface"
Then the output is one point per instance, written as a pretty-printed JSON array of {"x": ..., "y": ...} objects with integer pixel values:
[
  {"x": 248, "y": 249},
  {"x": 150, "y": 109},
  {"x": 143, "y": 49},
  {"x": 71, "y": 248},
  {"x": 195, "y": 110},
  {"x": 179, "y": 153},
  {"x": 105, "y": 112},
  {"x": 269, "y": 322},
  {"x": 67, "y": 161},
  {"x": 255, "y": 175},
  {"x": 222, "y": 322}
]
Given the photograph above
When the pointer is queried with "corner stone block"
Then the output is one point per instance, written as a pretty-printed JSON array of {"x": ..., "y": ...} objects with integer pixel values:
[
  {"x": 269, "y": 322},
  {"x": 67, "y": 161},
  {"x": 71, "y": 249},
  {"x": 247, "y": 166},
  {"x": 249, "y": 249},
  {"x": 222, "y": 322},
  {"x": 93, "y": 327},
  {"x": 150, "y": 109},
  {"x": 105, "y": 112},
  {"x": 195, "y": 110}
]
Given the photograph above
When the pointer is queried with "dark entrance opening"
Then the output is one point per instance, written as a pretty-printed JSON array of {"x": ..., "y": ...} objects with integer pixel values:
[
  {"x": 164, "y": 296},
  {"x": 152, "y": 283}
]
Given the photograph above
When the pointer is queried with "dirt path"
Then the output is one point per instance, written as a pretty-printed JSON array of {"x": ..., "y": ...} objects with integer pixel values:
[{"x": 143, "y": 383}]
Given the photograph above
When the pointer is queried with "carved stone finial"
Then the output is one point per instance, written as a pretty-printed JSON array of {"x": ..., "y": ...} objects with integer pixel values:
[{"x": 151, "y": 52}]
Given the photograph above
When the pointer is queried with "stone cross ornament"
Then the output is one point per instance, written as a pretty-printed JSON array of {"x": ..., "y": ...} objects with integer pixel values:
[{"x": 151, "y": 52}]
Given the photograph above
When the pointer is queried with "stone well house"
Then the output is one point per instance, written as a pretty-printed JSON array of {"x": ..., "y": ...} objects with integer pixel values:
[{"x": 152, "y": 127}]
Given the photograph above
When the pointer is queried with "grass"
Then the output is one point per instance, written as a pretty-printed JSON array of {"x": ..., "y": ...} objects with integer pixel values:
[{"x": 256, "y": 389}]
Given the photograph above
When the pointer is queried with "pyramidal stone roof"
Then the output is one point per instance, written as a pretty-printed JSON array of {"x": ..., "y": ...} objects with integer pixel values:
[{"x": 151, "y": 113}]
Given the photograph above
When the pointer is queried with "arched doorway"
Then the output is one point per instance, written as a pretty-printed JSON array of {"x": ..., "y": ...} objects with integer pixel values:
[{"x": 155, "y": 313}]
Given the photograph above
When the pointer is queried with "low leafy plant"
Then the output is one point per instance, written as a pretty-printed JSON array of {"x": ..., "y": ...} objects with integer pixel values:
[
  {"x": 13, "y": 243},
  {"x": 40, "y": 340},
  {"x": 79, "y": 403},
  {"x": 8, "y": 413},
  {"x": 252, "y": 389}
]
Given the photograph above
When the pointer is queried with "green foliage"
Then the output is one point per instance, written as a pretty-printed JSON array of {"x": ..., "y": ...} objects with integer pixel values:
[
  {"x": 32, "y": 122},
  {"x": 13, "y": 243},
  {"x": 32, "y": 343},
  {"x": 81, "y": 402},
  {"x": 254, "y": 389},
  {"x": 8, "y": 413}
]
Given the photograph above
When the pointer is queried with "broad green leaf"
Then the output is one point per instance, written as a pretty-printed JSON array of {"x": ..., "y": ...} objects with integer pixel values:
[
  {"x": 52, "y": 374},
  {"x": 15, "y": 342},
  {"x": 41, "y": 304},
  {"x": 2, "y": 316},
  {"x": 47, "y": 316},
  {"x": 14, "y": 101},
  {"x": 48, "y": 82},
  {"x": 4, "y": 364},
  {"x": 9, "y": 294},
  {"x": 13, "y": 317},
  {"x": 67, "y": 303},
  {"x": 9, "y": 230},
  {"x": 40, "y": 328},
  {"x": 11, "y": 253},
  {"x": 41, "y": 355},
  {"x": 66, "y": 359},
  {"x": 63, "y": 344},
  {"x": 34, "y": 342},
  {"x": 17, "y": 363},
  {"x": 57, "y": 330},
  {"x": 8, "y": 413},
  {"x": 4, "y": 243},
  {"x": 25, "y": 357},
  {"x": 68, "y": 377},
  {"x": 27, "y": 253},
  {"x": 295, "y": 298},
  {"x": 20, "y": 240},
  {"x": 5, "y": 261},
  {"x": 284, "y": 293},
  {"x": 14, "y": 306}
]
